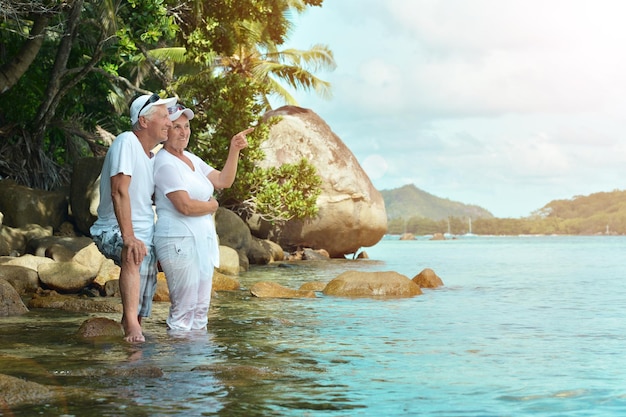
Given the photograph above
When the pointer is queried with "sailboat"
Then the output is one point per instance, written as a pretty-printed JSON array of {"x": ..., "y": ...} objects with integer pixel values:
[
  {"x": 448, "y": 234},
  {"x": 470, "y": 234}
]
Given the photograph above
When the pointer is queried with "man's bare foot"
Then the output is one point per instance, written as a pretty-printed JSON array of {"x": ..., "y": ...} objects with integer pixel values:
[
  {"x": 132, "y": 333},
  {"x": 134, "y": 336}
]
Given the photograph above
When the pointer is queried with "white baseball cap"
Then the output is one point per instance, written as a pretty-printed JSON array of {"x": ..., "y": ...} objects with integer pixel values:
[
  {"x": 177, "y": 110},
  {"x": 142, "y": 103}
]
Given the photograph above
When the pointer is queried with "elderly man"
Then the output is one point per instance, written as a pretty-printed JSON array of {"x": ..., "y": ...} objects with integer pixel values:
[{"x": 125, "y": 224}]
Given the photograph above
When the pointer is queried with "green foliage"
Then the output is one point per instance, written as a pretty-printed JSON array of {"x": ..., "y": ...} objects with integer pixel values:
[
  {"x": 50, "y": 116},
  {"x": 224, "y": 106},
  {"x": 284, "y": 193}
]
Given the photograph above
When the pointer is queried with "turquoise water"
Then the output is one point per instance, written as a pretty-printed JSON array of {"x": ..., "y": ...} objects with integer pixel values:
[{"x": 524, "y": 326}]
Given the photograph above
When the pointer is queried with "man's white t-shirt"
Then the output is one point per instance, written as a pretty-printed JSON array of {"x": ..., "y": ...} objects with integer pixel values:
[{"x": 126, "y": 155}]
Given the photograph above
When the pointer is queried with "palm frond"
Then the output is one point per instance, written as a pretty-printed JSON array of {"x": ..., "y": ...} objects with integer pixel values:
[{"x": 174, "y": 54}]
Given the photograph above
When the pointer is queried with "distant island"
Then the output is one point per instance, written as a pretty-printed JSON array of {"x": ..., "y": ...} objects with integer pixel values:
[{"x": 411, "y": 210}]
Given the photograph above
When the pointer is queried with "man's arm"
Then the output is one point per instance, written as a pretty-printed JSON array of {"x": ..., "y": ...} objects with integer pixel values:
[{"x": 120, "y": 185}]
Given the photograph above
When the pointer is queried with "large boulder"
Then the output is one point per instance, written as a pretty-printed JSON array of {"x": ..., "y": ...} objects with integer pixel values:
[
  {"x": 22, "y": 206},
  {"x": 263, "y": 251},
  {"x": 351, "y": 211},
  {"x": 234, "y": 233},
  {"x": 85, "y": 192},
  {"x": 66, "y": 277}
]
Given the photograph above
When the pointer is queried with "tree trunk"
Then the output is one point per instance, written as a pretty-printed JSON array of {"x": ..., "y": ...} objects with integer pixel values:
[
  {"x": 11, "y": 72},
  {"x": 48, "y": 106}
]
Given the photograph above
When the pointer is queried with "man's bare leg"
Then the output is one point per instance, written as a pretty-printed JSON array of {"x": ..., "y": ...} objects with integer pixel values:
[{"x": 129, "y": 290}]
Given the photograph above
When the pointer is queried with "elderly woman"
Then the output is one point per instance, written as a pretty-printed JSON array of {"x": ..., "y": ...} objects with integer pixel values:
[{"x": 185, "y": 239}]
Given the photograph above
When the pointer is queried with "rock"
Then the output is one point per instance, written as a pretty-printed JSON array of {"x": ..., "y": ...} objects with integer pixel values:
[
  {"x": 309, "y": 254},
  {"x": 133, "y": 372},
  {"x": 108, "y": 271},
  {"x": 112, "y": 288},
  {"x": 313, "y": 286},
  {"x": 45, "y": 245},
  {"x": 23, "y": 279},
  {"x": 59, "y": 253},
  {"x": 18, "y": 238},
  {"x": 23, "y": 205},
  {"x": 372, "y": 284},
  {"x": 273, "y": 290},
  {"x": 263, "y": 251},
  {"x": 438, "y": 236},
  {"x": 229, "y": 261},
  {"x": 29, "y": 261},
  {"x": 234, "y": 233},
  {"x": 90, "y": 257},
  {"x": 427, "y": 278},
  {"x": 66, "y": 277},
  {"x": 162, "y": 292},
  {"x": 233, "y": 374},
  {"x": 222, "y": 282},
  {"x": 407, "y": 236},
  {"x": 130, "y": 370},
  {"x": 16, "y": 391},
  {"x": 100, "y": 327},
  {"x": 351, "y": 211},
  {"x": 11, "y": 303},
  {"x": 52, "y": 299},
  {"x": 85, "y": 192}
]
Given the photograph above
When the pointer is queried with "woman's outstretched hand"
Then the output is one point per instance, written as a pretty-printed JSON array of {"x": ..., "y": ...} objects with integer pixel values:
[{"x": 239, "y": 141}]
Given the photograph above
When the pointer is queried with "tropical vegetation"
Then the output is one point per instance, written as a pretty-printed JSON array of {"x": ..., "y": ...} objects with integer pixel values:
[
  {"x": 69, "y": 69},
  {"x": 602, "y": 213}
]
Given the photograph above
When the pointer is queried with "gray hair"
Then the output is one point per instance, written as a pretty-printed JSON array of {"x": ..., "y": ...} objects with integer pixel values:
[{"x": 148, "y": 115}]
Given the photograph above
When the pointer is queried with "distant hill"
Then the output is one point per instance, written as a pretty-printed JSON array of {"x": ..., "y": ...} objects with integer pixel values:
[
  {"x": 409, "y": 201},
  {"x": 584, "y": 207}
]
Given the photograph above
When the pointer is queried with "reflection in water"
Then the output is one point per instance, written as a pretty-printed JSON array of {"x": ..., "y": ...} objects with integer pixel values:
[
  {"x": 255, "y": 359},
  {"x": 522, "y": 327}
]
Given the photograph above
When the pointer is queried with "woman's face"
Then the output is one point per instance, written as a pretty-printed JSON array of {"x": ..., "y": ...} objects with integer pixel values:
[{"x": 178, "y": 135}]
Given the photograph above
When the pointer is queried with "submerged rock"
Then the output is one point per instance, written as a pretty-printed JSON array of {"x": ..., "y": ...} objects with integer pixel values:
[
  {"x": 11, "y": 303},
  {"x": 100, "y": 327},
  {"x": 427, "y": 279},
  {"x": 273, "y": 290},
  {"x": 372, "y": 284},
  {"x": 51, "y": 299},
  {"x": 313, "y": 286},
  {"x": 16, "y": 391}
]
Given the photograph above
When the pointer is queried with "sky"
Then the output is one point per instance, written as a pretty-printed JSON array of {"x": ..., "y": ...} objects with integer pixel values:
[{"x": 505, "y": 104}]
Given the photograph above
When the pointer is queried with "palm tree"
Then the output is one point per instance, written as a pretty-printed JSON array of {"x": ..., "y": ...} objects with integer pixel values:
[{"x": 259, "y": 59}]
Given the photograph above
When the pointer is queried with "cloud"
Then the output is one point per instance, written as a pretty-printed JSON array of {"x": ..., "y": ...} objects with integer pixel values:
[{"x": 504, "y": 104}]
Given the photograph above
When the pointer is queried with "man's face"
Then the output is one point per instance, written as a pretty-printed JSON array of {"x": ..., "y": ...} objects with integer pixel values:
[{"x": 158, "y": 123}]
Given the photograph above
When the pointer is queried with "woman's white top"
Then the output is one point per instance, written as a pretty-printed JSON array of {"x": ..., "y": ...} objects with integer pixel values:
[{"x": 172, "y": 174}]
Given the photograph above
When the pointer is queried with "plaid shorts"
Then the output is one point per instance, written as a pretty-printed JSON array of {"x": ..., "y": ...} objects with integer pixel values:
[{"x": 110, "y": 243}]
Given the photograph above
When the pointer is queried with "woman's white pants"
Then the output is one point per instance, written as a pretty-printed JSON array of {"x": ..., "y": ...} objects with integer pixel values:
[{"x": 189, "y": 275}]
